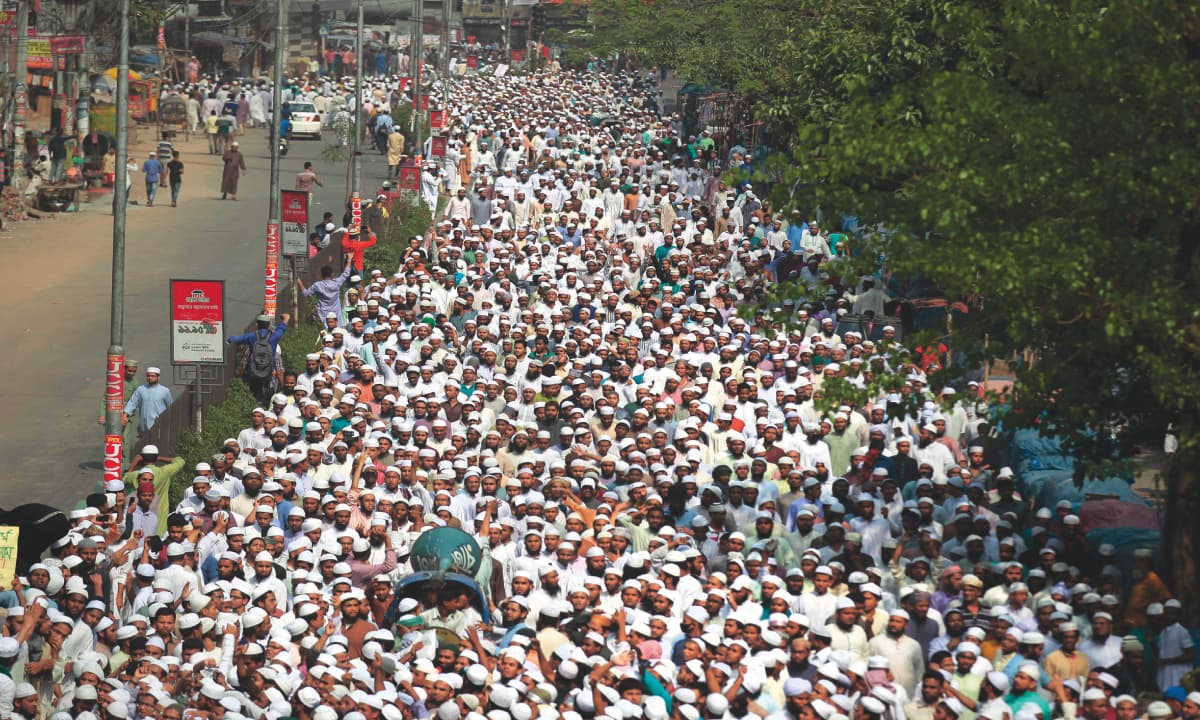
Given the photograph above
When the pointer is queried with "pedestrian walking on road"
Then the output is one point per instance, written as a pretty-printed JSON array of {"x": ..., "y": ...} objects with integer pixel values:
[
  {"x": 306, "y": 178},
  {"x": 395, "y": 152},
  {"x": 58, "y": 155},
  {"x": 153, "y": 169},
  {"x": 175, "y": 176},
  {"x": 235, "y": 168},
  {"x": 148, "y": 401},
  {"x": 210, "y": 129}
]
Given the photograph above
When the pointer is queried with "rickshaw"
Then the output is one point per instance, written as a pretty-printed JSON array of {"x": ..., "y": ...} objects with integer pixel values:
[{"x": 172, "y": 118}]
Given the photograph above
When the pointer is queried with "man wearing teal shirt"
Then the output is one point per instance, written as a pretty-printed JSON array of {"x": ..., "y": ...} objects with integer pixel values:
[{"x": 1024, "y": 690}]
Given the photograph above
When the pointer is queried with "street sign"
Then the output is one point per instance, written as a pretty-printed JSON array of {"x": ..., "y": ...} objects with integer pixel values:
[
  {"x": 197, "y": 321},
  {"x": 437, "y": 146},
  {"x": 410, "y": 177},
  {"x": 294, "y": 205},
  {"x": 66, "y": 45},
  {"x": 271, "y": 274}
]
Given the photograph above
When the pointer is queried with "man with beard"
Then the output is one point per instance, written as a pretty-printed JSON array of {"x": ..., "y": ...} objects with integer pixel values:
[
  {"x": 798, "y": 665},
  {"x": 354, "y": 622},
  {"x": 813, "y": 450},
  {"x": 511, "y": 457},
  {"x": 550, "y": 592},
  {"x": 929, "y": 450},
  {"x": 901, "y": 466},
  {"x": 244, "y": 503},
  {"x": 932, "y": 689},
  {"x": 844, "y": 631},
  {"x": 361, "y": 567},
  {"x": 903, "y": 653},
  {"x": 796, "y": 692}
]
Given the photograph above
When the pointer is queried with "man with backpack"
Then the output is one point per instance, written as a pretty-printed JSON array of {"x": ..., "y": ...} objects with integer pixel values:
[{"x": 260, "y": 368}]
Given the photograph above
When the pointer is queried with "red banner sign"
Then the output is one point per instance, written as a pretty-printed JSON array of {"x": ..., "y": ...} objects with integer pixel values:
[
  {"x": 271, "y": 286},
  {"x": 356, "y": 211},
  {"x": 410, "y": 177},
  {"x": 472, "y": 62},
  {"x": 114, "y": 448},
  {"x": 66, "y": 45},
  {"x": 437, "y": 146},
  {"x": 438, "y": 118},
  {"x": 197, "y": 321},
  {"x": 114, "y": 383},
  {"x": 518, "y": 56},
  {"x": 424, "y": 103}
]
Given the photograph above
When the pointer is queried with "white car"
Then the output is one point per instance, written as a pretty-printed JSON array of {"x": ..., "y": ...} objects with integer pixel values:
[{"x": 305, "y": 120}]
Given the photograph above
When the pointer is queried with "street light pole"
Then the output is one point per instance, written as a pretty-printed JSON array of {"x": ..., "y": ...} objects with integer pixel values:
[
  {"x": 21, "y": 96},
  {"x": 114, "y": 370},
  {"x": 446, "y": 52},
  {"x": 271, "y": 276},
  {"x": 356, "y": 157},
  {"x": 418, "y": 53}
]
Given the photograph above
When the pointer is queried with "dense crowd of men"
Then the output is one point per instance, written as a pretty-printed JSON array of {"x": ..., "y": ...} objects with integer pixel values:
[{"x": 673, "y": 521}]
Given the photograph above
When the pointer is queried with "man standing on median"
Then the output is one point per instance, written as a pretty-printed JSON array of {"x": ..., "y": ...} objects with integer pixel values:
[
  {"x": 148, "y": 401},
  {"x": 328, "y": 291},
  {"x": 259, "y": 367}
]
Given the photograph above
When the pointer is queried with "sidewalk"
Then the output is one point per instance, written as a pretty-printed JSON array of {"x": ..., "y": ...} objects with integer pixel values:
[{"x": 57, "y": 296}]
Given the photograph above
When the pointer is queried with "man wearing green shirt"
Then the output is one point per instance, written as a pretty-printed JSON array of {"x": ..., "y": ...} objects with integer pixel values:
[
  {"x": 147, "y": 465},
  {"x": 1024, "y": 690}
]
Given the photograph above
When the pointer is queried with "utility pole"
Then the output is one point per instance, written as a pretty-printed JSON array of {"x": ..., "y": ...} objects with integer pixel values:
[
  {"x": 271, "y": 284},
  {"x": 187, "y": 27},
  {"x": 506, "y": 14},
  {"x": 114, "y": 368},
  {"x": 418, "y": 53},
  {"x": 21, "y": 95},
  {"x": 356, "y": 157},
  {"x": 446, "y": 10}
]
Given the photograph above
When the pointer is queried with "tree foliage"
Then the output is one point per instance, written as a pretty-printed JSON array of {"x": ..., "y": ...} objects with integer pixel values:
[{"x": 1041, "y": 156}]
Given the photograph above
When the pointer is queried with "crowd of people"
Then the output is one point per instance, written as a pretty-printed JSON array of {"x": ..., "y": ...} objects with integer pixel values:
[{"x": 672, "y": 521}]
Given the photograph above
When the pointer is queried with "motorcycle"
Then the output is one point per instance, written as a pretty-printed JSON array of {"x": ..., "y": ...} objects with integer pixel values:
[{"x": 283, "y": 147}]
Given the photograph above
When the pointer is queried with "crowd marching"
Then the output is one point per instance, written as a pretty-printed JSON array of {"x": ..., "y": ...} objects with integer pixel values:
[{"x": 670, "y": 525}]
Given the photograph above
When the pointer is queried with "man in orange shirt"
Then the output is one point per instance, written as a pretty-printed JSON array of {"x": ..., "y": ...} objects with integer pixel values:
[
  {"x": 354, "y": 245},
  {"x": 1147, "y": 588}
]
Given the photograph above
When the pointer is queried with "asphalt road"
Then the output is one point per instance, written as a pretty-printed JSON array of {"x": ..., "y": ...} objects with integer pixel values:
[{"x": 57, "y": 292}]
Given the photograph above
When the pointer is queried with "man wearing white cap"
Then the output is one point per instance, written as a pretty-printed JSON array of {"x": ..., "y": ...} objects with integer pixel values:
[{"x": 148, "y": 401}]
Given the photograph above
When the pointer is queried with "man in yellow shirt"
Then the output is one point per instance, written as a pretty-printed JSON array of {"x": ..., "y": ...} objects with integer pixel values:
[{"x": 1067, "y": 663}]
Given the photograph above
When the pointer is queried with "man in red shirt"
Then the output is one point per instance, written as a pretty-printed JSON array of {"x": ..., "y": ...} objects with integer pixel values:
[{"x": 354, "y": 245}]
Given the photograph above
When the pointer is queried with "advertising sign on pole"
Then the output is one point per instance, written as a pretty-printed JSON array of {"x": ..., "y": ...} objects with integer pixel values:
[
  {"x": 114, "y": 449},
  {"x": 356, "y": 212},
  {"x": 437, "y": 119},
  {"x": 410, "y": 177},
  {"x": 271, "y": 277},
  {"x": 294, "y": 207},
  {"x": 197, "y": 321},
  {"x": 114, "y": 401},
  {"x": 437, "y": 146}
]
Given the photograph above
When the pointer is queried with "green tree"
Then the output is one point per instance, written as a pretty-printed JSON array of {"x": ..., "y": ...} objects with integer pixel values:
[
  {"x": 1041, "y": 156},
  {"x": 1057, "y": 181}
]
